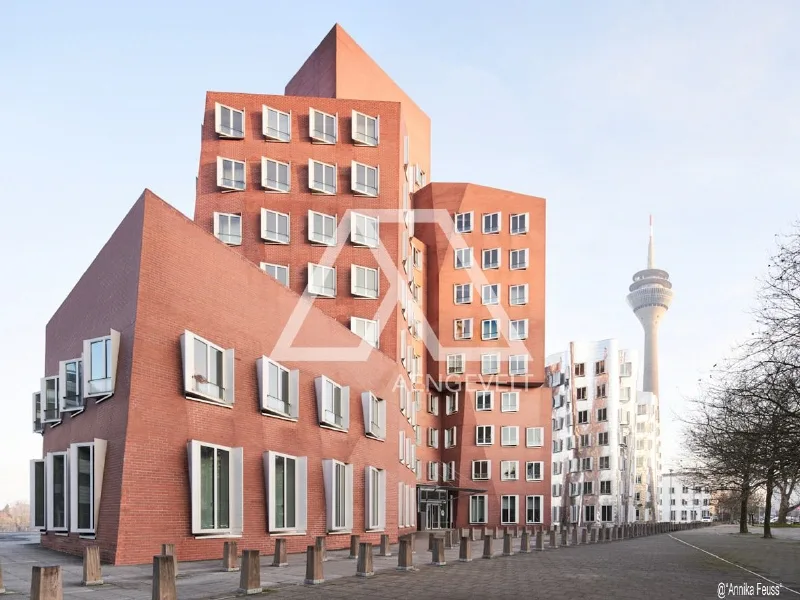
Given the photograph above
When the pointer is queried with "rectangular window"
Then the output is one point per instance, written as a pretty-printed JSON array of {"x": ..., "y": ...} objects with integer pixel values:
[
  {"x": 586, "y": 463},
  {"x": 580, "y": 394},
  {"x": 478, "y": 509},
  {"x": 321, "y": 280},
  {"x": 579, "y": 369},
  {"x": 509, "y": 402},
  {"x": 519, "y": 224},
  {"x": 518, "y": 329},
  {"x": 228, "y": 122},
  {"x": 216, "y": 475},
  {"x": 533, "y": 509},
  {"x": 518, "y": 294},
  {"x": 602, "y": 414},
  {"x": 322, "y": 127},
  {"x": 86, "y": 463},
  {"x": 38, "y": 497},
  {"x": 534, "y": 471},
  {"x": 287, "y": 489},
  {"x": 363, "y": 282},
  {"x": 509, "y": 436},
  {"x": 484, "y": 435},
  {"x": 606, "y": 513},
  {"x": 70, "y": 384},
  {"x": 518, "y": 259},
  {"x": 491, "y": 223},
  {"x": 455, "y": 364},
  {"x": 365, "y": 129},
  {"x": 433, "y": 404},
  {"x": 279, "y": 388},
  {"x": 333, "y": 403},
  {"x": 602, "y": 438},
  {"x": 600, "y": 367},
  {"x": 601, "y": 391},
  {"x": 99, "y": 365},
  {"x": 462, "y": 329},
  {"x": 481, "y": 470},
  {"x": 462, "y": 293},
  {"x": 625, "y": 369},
  {"x": 491, "y": 258},
  {"x": 36, "y": 397},
  {"x": 374, "y": 416},
  {"x": 483, "y": 400},
  {"x": 463, "y": 222},
  {"x": 534, "y": 437},
  {"x": 364, "y": 179},
  {"x": 605, "y": 487},
  {"x": 207, "y": 369},
  {"x": 277, "y": 125},
  {"x": 228, "y": 228},
  {"x": 366, "y": 329},
  {"x": 433, "y": 471},
  {"x": 230, "y": 174},
  {"x": 490, "y": 364},
  {"x": 586, "y": 440},
  {"x": 274, "y": 226},
  {"x": 321, "y": 177},
  {"x": 518, "y": 364},
  {"x": 57, "y": 495},
  {"x": 490, "y": 329},
  {"x": 375, "y": 493},
  {"x": 338, "y": 482},
  {"x": 321, "y": 228},
  {"x": 279, "y": 272},
  {"x": 509, "y": 470},
  {"x": 416, "y": 254},
  {"x": 463, "y": 258},
  {"x": 508, "y": 509},
  {"x": 450, "y": 437},
  {"x": 588, "y": 513},
  {"x": 490, "y": 294},
  {"x": 275, "y": 175},
  {"x": 364, "y": 230}
]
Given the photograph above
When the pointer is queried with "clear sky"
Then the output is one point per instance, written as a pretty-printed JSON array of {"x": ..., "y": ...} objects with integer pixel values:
[{"x": 611, "y": 110}]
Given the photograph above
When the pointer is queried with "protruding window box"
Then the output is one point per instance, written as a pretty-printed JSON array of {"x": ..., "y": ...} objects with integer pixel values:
[
  {"x": 228, "y": 122},
  {"x": 322, "y": 127},
  {"x": 86, "y": 466},
  {"x": 207, "y": 370},
  {"x": 70, "y": 379},
  {"x": 38, "y": 500},
  {"x": 57, "y": 491},
  {"x": 228, "y": 228},
  {"x": 374, "y": 416},
  {"x": 51, "y": 410},
  {"x": 275, "y": 227},
  {"x": 364, "y": 230},
  {"x": 364, "y": 179},
  {"x": 99, "y": 366},
  {"x": 321, "y": 280},
  {"x": 276, "y": 124},
  {"x": 286, "y": 481},
  {"x": 216, "y": 480},
  {"x": 276, "y": 175},
  {"x": 333, "y": 403},
  {"x": 338, "y": 480},
  {"x": 279, "y": 389},
  {"x": 321, "y": 177},
  {"x": 375, "y": 499},
  {"x": 231, "y": 174},
  {"x": 365, "y": 129},
  {"x": 36, "y": 401}
]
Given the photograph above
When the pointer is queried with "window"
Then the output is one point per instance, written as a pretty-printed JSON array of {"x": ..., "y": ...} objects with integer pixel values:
[
  {"x": 481, "y": 470},
  {"x": 491, "y": 258},
  {"x": 37, "y": 413},
  {"x": 228, "y": 228},
  {"x": 558, "y": 446},
  {"x": 363, "y": 281},
  {"x": 375, "y": 493},
  {"x": 490, "y": 294},
  {"x": 49, "y": 391},
  {"x": 38, "y": 503},
  {"x": 322, "y": 127},
  {"x": 228, "y": 122},
  {"x": 207, "y": 369},
  {"x": 321, "y": 177},
  {"x": 518, "y": 259},
  {"x": 588, "y": 513},
  {"x": 287, "y": 490},
  {"x": 518, "y": 294},
  {"x": 277, "y": 125},
  {"x": 586, "y": 464},
  {"x": 581, "y": 394},
  {"x": 333, "y": 403},
  {"x": 508, "y": 470},
  {"x": 433, "y": 404},
  {"x": 557, "y": 488},
  {"x": 449, "y": 471},
  {"x": 451, "y": 405},
  {"x": 455, "y": 364},
  {"x": 534, "y": 437},
  {"x": 463, "y": 258},
  {"x": 533, "y": 509},
  {"x": 508, "y": 509},
  {"x": 462, "y": 293},
  {"x": 364, "y": 230},
  {"x": 279, "y": 272},
  {"x": 602, "y": 414},
  {"x": 275, "y": 175},
  {"x": 321, "y": 280},
  {"x": 518, "y": 364},
  {"x": 490, "y": 364},
  {"x": 483, "y": 400},
  {"x": 338, "y": 481},
  {"x": 463, "y": 222},
  {"x": 600, "y": 367},
  {"x": 484, "y": 435},
  {"x": 605, "y": 487},
  {"x": 479, "y": 509},
  {"x": 215, "y": 476},
  {"x": 433, "y": 471},
  {"x": 625, "y": 369},
  {"x": 580, "y": 369},
  {"x": 491, "y": 223},
  {"x": 416, "y": 253},
  {"x": 450, "y": 437},
  {"x": 433, "y": 437},
  {"x": 366, "y": 329},
  {"x": 70, "y": 383},
  {"x": 519, "y": 224},
  {"x": 606, "y": 513},
  {"x": 57, "y": 497},
  {"x": 365, "y": 129},
  {"x": 99, "y": 359},
  {"x": 534, "y": 470},
  {"x": 86, "y": 463},
  {"x": 509, "y": 401},
  {"x": 602, "y": 438},
  {"x": 462, "y": 329},
  {"x": 274, "y": 226},
  {"x": 509, "y": 436},
  {"x": 278, "y": 388},
  {"x": 518, "y": 329},
  {"x": 230, "y": 174},
  {"x": 364, "y": 180},
  {"x": 490, "y": 329},
  {"x": 601, "y": 391}
]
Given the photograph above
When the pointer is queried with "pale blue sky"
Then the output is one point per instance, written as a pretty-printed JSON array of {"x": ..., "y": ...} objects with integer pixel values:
[{"x": 611, "y": 110}]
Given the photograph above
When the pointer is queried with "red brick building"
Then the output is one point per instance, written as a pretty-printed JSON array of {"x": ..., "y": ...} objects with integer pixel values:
[{"x": 384, "y": 375}]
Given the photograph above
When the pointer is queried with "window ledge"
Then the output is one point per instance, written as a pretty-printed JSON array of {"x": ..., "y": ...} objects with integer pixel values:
[
  {"x": 381, "y": 530},
  {"x": 267, "y": 413},
  {"x": 60, "y": 533},
  {"x": 217, "y": 536},
  {"x": 332, "y": 428},
  {"x": 286, "y": 533},
  {"x": 340, "y": 532},
  {"x": 88, "y": 536},
  {"x": 208, "y": 401}
]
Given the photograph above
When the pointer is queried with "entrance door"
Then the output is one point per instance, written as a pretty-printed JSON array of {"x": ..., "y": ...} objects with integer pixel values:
[{"x": 434, "y": 511}]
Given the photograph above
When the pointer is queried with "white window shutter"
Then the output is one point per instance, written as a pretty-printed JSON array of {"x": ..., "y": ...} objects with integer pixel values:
[
  {"x": 353, "y": 280},
  {"x": 382, "y": 500},
  {"x": 366, "y": 408},
  {"x": 400, "y": 496},
  {"x": 348, "y": 507},
  {"x": 378, "y": 180},
  {"x": 455, "y": 436},
  {"x": 193, "y": 448},
  {"x": 294, "y": 393},
  {"x": 98, "y": 467},
  {"x": 301, "y": 493},
  {"x": 62, "y": 386},
  {"x": 86, "y": 358},
  {"x": 262, "y": 368},
  {"x": 402, "y": 442},
  {"x": 187, "y": 350},
  {"x": 236, "y": 493},
  {"x": 353, "y": 129},
  {"x": 72, "y": 461},
  {"x": 328, "y": 481},
  {"x": 228, "y": 366},
  {"x": 219, "y": 183},
  {"x": 217, "y": 116},
  {"x": 311, "y": 170},
  {"x": 336, "y": 127},
  {"x": 115, "y": 342},
  {"x": 377, "y": 130},
  {"x": 34, "y": 507},
  {"x": 353, "y": 175},
  {"x": 368, "y": 492},
  {"x": 48, "y": 477},
  {"x": 318, "y": 387},
  {"x": 269, "y": 484},
  {"x": 345, "y": 407}
]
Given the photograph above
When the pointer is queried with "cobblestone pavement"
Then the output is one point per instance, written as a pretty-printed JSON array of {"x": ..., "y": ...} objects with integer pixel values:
[{"x": 654, "y": 567}]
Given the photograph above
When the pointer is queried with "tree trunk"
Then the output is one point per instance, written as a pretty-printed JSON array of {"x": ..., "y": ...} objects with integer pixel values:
[
  {"x": 743, "y": 514},
  {"x": 783, "y": 506},
  {"x": 768, "y": 503}
]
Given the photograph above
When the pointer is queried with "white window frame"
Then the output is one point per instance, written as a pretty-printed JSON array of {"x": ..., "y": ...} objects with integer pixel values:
[
  {"x": 233, "y": 239},
  {"x": 509, "y": 435},
  {"x": 514, "y": 367},
  {"x": 329, "y": 121},
  {"x": 97, "y": 461},
  {"x": 493, "y": 332},
  {"x": 276, "y": 134},
  {"x": 191, "y": 382},
  {"x": 364, "y": 291},
  {"x": 433, "y": 437},
  {"x": 488, "y": 287},
  {"x": 103, "y": 388},
  {"x": 363, "y": 189},
  {"x": 456, "y": 364},
  {"x": 374, "y": 499},
  {"x": 518, "y": 266},
  {"x": 334, "y": 494},
  {"x": 39, "y": 484},
  {"x": 277, "y": 272},
  {"x": 482, "y": 407},
  {"x": 361, "y": 239},
  {"x": 518, "y": 329},
  {"x": 235, "y": 490},
  {"x": 488, "y": 252},
  {"x": 531, "y": 435},
  {"x": 490, "y": 363},
  {"x": 513, "y": 505},
  {"x": 475, "y": 506},
  {"x": 272, "y": 405},
  {"x": 461, "y": 287},
  {"x": 512, "y": 466},
  {"x": 50, "y": 488},
  {"x": 300, "y": 492},
  {"x": 227, "y": 132},
  {"x": 509, "y": 402},
  {"x": 513, "y": 301},
  {"x": 433, "y": 404},
  {"x": 70, "y": 403},
  {"x": 319, "y": 290},
  {"x": 276, "y": 237},
  {"x": 463, "y": 227},
  {"x": 483, "y": 429},
  {"x": 492, "y": 216},
  {"x": 362, "y": 139},
  {"x": 530, "y": 505},
  {"x": 464, "y": 332},
  {"x": 519, "y": 216},
  {"x": 459, "y": 261},
  {"x": 433, "y": 471},
  {"x": 451, "y": 437},
  {"x": 324, "y": 387},
  {"x": 478, "y": 463},
  {"x": 320, "y": 237},
  {"x": 324, "y": 187},
  {"x": 36, "y": 401},
  {"x": 231, "y": 184},
  {"x": 278, "y": 186},
  {"x": 361, "y": 327},
  {"x": 451, "y": 403},
  {"x": 534, "y": 477}
]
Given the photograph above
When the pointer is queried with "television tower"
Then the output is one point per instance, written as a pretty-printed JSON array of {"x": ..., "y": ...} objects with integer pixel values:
[{"x": 650, "y": 297}]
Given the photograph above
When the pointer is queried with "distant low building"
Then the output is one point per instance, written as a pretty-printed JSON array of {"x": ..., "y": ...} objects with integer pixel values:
[{"x": 682, "y": 499}]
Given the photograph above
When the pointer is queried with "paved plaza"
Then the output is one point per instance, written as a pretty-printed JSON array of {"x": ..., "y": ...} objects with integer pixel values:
[{"x": 687, "y": 564}]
